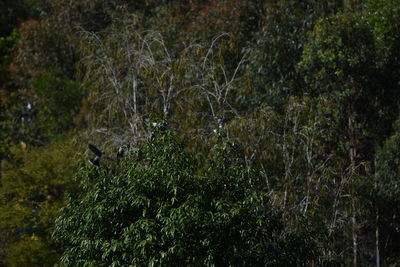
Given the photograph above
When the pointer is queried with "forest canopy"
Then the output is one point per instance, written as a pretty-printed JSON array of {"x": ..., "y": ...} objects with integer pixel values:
[{"x": 249, "y": 133}]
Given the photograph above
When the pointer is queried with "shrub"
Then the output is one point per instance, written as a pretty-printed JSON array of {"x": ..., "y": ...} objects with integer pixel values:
[{"x": 162, "y": 209}]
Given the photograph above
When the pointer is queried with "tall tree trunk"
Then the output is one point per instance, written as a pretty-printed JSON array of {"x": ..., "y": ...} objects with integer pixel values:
[
  {"x": 377, "y": 252},
  {"x": 352, "y": 155},
  {"x": 354, "y": 234}
]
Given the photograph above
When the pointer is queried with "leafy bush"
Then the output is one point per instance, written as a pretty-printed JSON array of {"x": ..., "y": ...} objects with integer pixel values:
[{"x": 161, "y": 209}]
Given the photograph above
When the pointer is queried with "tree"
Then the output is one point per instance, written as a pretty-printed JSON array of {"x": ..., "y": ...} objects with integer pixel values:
[
  {"x": 277, "y": 47},
  {"x": 164, "y": 209},
  {"x": 340, "y": 64},
  {"x": 384, "y": 193}
]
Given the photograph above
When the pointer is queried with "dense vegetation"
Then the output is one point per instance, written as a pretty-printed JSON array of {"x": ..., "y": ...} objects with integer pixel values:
[
  {"x": 164, "y": 209},
  {"x": 283, "y": 140}
]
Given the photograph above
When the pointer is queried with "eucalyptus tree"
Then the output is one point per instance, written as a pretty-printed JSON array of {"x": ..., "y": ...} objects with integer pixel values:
[
  {"x": 277, "y": 46},
  {"x": 133, "y": 74},
  {"x": 384, "y": 193},
  {"x": 340, "y": 64}
]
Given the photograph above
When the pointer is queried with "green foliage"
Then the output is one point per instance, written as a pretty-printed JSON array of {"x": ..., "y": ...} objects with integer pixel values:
[
  {"x": 387, "y": 170},
  {"x": 385, "y": 193},
  {"x": 31, "y": 251},
  {"x": 342, "y": 68},
  {"x": 32, "y": 189},
  {"x": 342, "y": 51},
  {"x": 58, "y": 101},
  {"x": 39, "y": 115},
  {"x": 7, "y": 44},
  {"x": 277, "y": 47},
  {"x": 308, "y": 89},
  {"x": 383, "y": 17},
  {"x": 162, "y": 209}
]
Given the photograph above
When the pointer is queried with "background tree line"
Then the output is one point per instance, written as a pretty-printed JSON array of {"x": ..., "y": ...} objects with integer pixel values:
[{"x": 303, "y": 95}]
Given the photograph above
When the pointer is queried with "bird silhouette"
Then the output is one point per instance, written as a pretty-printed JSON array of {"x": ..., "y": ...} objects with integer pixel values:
[
  {"x": 95, "y": 161},
  {"x": 96, "y": 151},
  {"x": 98, "y": 155}
]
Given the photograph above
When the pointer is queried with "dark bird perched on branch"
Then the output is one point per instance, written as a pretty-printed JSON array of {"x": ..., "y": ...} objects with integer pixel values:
[
  {"x": 95, "y": 161},
  {"x": 96, "y": 151},
  {"x": 99, "y": 155}
]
